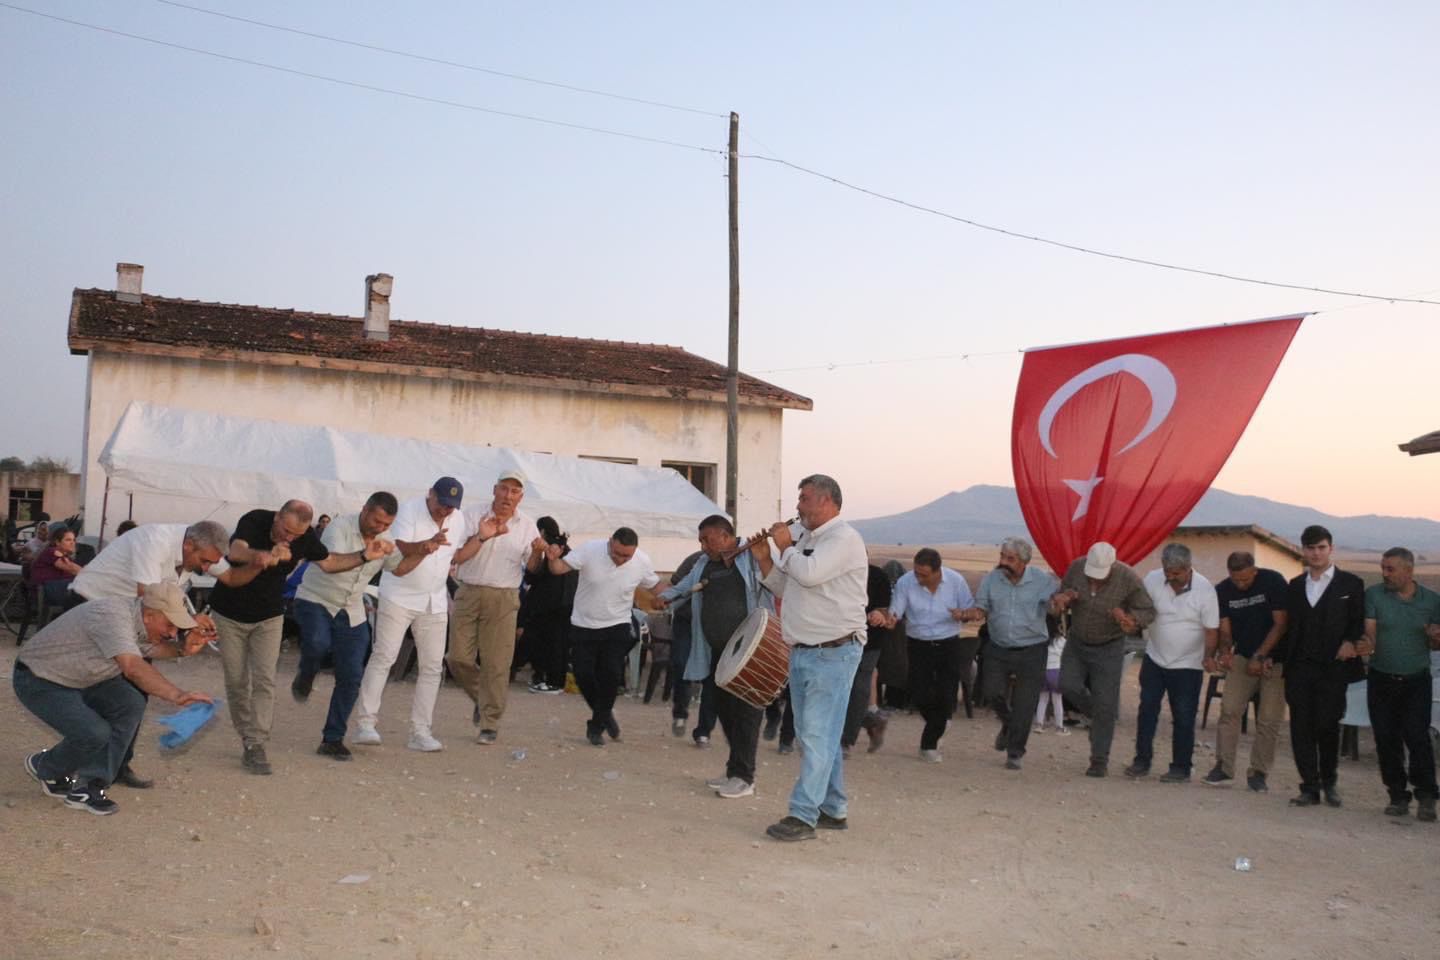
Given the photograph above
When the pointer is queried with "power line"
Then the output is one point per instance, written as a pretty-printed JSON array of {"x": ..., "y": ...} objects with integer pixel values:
[
  {"x": 443, "y": 62},
  {"x": 837, "y": 364},
  {"x": 373, "y": 88},
  {"x": 1075, "y": 247}
]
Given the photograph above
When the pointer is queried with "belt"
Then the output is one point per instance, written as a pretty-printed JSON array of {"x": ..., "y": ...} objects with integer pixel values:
[
  {"x": 936, "y": 640},
  {"x": 840, "y": 642}
]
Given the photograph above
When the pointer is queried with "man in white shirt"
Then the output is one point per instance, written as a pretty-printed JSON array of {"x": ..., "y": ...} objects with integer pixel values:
[
  {"x": 1179, "y": 649},
  {"x": 610, "y": 573},
  {"x": 418, "y": 602},
  {"x": 330, "y": 611},
  {"x": 821, "y": 578},
  {"x": 500, "y": 547}
]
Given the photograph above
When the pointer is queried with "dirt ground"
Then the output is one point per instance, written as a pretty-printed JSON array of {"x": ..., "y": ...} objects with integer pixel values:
[{"x": 582, "y": 852}]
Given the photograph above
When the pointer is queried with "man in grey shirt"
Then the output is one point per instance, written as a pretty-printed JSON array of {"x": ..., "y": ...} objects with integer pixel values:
[{"x": 83, "y": 675}]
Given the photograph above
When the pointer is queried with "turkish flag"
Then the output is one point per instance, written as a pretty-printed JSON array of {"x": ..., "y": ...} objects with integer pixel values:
[{"x": 1117, "y": 440}]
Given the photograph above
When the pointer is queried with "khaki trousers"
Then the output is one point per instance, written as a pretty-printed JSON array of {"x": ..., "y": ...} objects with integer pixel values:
[
  {"x": 249, "y": 653},
  {"x": 482, "y": 626},
  {"x": 1239, "y": 688}
]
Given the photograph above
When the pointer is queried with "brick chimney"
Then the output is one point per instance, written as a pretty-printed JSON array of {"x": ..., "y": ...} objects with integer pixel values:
[
  {"x": 127, "y": 282},
  {"x": 377, "y": 306}
]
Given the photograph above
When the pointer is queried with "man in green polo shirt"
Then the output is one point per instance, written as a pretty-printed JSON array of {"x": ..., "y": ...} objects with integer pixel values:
[{"x": 1402, "y": 624}]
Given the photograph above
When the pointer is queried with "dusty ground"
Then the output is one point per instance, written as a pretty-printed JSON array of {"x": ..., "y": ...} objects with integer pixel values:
[{"x": 579, "y": 852}]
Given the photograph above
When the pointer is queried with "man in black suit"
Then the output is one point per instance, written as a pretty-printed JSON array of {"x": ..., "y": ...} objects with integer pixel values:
[{"x": 1326, "y": 618}]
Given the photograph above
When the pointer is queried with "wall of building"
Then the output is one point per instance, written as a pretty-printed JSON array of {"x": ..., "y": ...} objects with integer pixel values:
[
  {"x": 569, "y": 422},
  {"x": 1209, "y": 551},
  {"x": 60, "y": 492}
]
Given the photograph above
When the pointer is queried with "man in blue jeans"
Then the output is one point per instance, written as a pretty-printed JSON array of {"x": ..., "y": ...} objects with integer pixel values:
[
  {"x": 1179, "y": 650},
  {"x": 821, "y": 576},
  {"x": 330, "y": 610}
]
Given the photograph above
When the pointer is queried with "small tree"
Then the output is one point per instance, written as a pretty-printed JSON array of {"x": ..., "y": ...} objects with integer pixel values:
[
  {"x": 11, "y": 464},
  {"x": 49, "y": 465}
]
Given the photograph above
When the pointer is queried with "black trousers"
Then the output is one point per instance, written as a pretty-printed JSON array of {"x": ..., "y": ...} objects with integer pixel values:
[
  {"x": 599, "y": 656},
  {"x": 1400, "y": 720},
  {"x": 859, "y": 695},
  {"x": 783, "y": 713},
  {"x": 934, "y": 681},
  {"x": 741, "y": 724},
  {"x": 1315, "y": 693},
  {"x": 1017, "y": 712},
  {"x": 547, "y": 637}
]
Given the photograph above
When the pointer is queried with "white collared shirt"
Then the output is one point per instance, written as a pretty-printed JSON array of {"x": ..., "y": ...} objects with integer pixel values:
[
  {"x": 1315, "y": 588},
  {"x": 822, "y": 578},
  {"x": 344, "y": 590},
  {"x": 150, "y": 553},
  {"x": 605, "y": 594},
  {"x": 1176, "y": 639},
  {"x": 422, "y": 589},
  {"x": 501, "y": 560},
  {"x": 927, "y": 615}
]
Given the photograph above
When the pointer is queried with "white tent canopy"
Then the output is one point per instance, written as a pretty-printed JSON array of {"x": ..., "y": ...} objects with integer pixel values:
[{"x": 235, "y": 464}]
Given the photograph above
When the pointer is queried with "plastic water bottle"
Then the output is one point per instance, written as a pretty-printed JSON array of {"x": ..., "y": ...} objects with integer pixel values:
[
  {"x": 1243, "y": 864},
  {"x": 520, "y": 755}
]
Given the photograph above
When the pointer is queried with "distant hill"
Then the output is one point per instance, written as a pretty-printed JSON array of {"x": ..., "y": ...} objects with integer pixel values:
[{"x": 986, "y": 514}]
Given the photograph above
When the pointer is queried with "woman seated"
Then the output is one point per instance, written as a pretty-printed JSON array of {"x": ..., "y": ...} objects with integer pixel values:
[{"x": 53, "y": 570}]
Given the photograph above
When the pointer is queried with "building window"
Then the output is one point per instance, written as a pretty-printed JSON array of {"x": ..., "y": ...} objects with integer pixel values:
[
  {"x": 628, "y": 460},
  {"x": 702, "y": 475},
  {"x": 26, "y": 505}
]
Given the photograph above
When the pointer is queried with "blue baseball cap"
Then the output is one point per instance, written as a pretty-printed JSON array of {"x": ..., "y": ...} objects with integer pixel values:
[{"x": 448, "y": 492}]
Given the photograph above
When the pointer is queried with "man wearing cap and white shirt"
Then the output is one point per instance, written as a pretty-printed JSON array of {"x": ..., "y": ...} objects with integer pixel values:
[
  {"x": 610, "y": 572},
  {"x": 1107, "y": 603},
  {"x": 419, "y": 602},
  {"x": 500, "y": 547},
  {"x": 1179, "y": 648},
  {"x": 83, "y": 674}
]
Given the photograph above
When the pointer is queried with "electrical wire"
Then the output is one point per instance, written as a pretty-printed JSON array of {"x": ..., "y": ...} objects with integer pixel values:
[
  {"x": 373, "y": 88},
  {"x": 838, "y": 364},
  {"x": 443, "y": 62}
]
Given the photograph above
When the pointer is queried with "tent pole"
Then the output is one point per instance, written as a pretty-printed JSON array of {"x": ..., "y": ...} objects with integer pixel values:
[{"x": 104, "y": 505}]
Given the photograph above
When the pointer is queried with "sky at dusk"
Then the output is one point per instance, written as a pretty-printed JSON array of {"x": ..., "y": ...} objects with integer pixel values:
[{"x": 1286, "y": 141}]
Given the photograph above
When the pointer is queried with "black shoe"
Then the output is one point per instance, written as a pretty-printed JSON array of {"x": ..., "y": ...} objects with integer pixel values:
[
  {"x": 1256, "y": 782},
  {"x": 1332, "y": 796},
  {"x": 129, "y": 778},
  {"x": 878, "y": 722},
  {"x": 786, "y": 746},
  {"x": 1217, "y": 778},
  {"x": 334, "y": 749},
  {"x": 1097, "y": 768},
  {"x": 1012, "y": 763},
  {"x": 772, "y": 728},
  {"x": 612, "y": 728},
  {"x": 1002, "y": 741},
  {"x": 59, "y": 788},
  {"x": 1425, "y": 809},
  {"x": 255, "y": 761},
  {"x": 595, "y": 737},
  {"x": 1398, "y": 808},
  {"x": 1175, "y": 776},
  {"x": 790, "y": 829},
  {"x": 1137, "y": 770},
  {"x": 827, "y": 822},
  {"x": 93, "y": 799},
  {"x": 1306, "y": 798},
  {"x": 300, "y": 686}
]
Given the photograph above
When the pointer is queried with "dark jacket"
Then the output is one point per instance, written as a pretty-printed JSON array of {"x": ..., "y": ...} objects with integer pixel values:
[{"x": 1314, "y": 634}]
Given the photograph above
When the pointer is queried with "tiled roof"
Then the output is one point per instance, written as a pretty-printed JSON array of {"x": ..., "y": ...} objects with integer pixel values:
[{"x": 223, "y": 331}]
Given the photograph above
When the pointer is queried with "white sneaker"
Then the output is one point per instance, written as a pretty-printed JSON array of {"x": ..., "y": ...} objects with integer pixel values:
[
  {"x": 930, "y": 756},
  {"x": 736, "y": 789},
  {"x": 1038, "y": 728},
  {"x": 715, "y": 783},
  {"x": 1062, "y": 730},
  {"x": 366, "y": 736},
  {"x": 422, "y": 741}
]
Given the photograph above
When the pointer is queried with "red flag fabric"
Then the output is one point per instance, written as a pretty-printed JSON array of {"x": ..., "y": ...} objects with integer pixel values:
[{"x": 1117, "y": 440}]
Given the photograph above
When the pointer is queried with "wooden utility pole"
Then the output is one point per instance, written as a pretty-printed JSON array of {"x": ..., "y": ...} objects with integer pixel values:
[{"x": 732, "y": 377}]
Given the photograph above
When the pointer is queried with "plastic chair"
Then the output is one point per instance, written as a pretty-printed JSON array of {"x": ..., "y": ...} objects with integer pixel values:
[{"x": 1212, "y": 690}]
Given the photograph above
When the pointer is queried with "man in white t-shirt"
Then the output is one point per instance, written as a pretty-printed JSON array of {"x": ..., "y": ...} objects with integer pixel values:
[
  {"x": 418, "y": 602},
  {"x": 500, "y": 547},
  {"x": 1179, "y": 649},
  {"x": 610, "y": 572}
]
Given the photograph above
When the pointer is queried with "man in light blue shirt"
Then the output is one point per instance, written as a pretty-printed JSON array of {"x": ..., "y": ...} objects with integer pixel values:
[
  {"x": 1014, "y": 599},
  {"x": 932, "y": 598}
]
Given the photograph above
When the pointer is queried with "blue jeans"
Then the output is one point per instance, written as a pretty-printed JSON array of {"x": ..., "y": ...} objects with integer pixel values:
[
  {"x": 320, "y": 634},
  {"x": 820, "y": 680},
  {"x": 1182, "y": 686},
  {"x": 96, "y": 723}
]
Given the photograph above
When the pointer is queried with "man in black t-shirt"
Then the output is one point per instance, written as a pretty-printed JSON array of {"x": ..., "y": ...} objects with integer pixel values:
[
  {"x": 248, "y": 619},
  {"x": 1252, "y": 621}
]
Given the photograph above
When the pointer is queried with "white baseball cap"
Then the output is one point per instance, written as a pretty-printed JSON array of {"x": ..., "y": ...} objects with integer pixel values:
[{"x": 1099, "y": 560}]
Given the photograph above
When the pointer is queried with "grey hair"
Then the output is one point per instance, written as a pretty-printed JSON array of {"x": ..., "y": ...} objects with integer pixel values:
[
  {"x": 208, "y": 534},
  {"x": 1394, "y": 553},
  {"x": 299, "y": 509},
  {"x": 1018, "y": 546},
  {"x": 825, "y": 485},
  {"x": 1175, "y": 555}
]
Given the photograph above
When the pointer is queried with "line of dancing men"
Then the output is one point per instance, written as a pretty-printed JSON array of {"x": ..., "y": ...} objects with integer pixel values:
[{"x": 88, "y": 673}]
